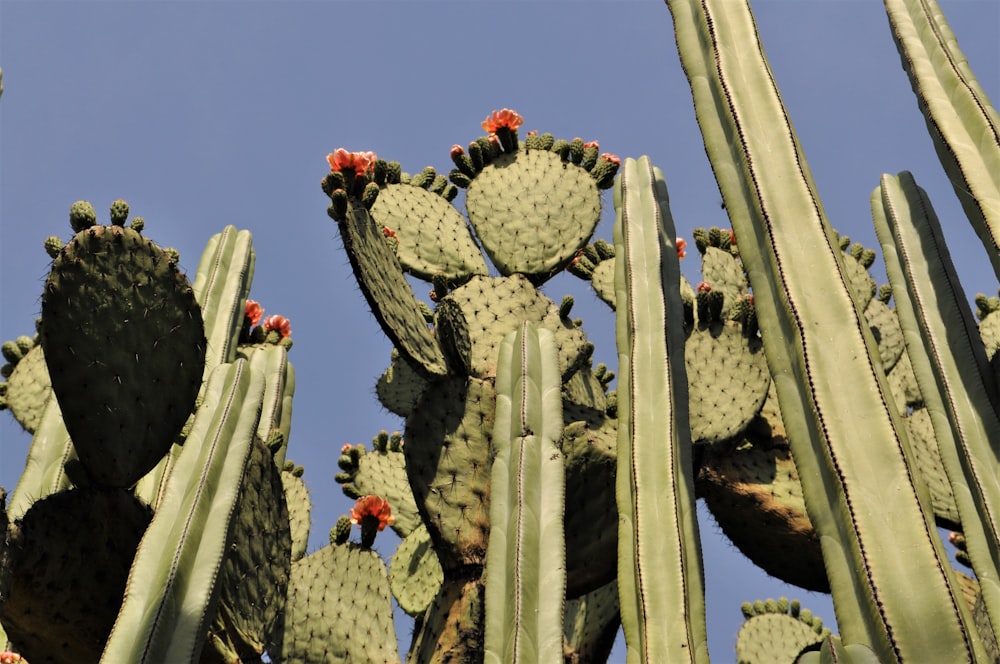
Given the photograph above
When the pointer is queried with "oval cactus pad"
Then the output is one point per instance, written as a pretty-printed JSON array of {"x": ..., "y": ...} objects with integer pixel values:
[
  {"x": 433, "y": 237},
  {"x": 533, "y": 212},
  {"x": 125, "y": 345}
]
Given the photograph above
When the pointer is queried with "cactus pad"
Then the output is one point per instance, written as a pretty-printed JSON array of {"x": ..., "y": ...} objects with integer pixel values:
[
  {"x": 125, "y": 347},
  {"x": 753, "y": 490},
  {"x": 338, "y": 611},
  {"x": 96, "y": 530},
  {"x": 389, "y": 295},
  {"x": 770, "y": 635},
  {"x": 532, "y": 212},
  {"x": 28, "y": 389},
  {"x": 382, "y": 472},
  {"x": 299, "y": 507},
  {"x": 591, "y": 624},
  {"x": 721, "y": 269},
  {"x": 924, "y": 445},
  {"x": 399, "y": 387},
  {"x": 254, "y": 574},
  {"x": 474, "y": 319},
  {"x": 589, "y": 445},
  {"x": 728, "y": 380},
  {"x": 433, "y": 237},
  {"x": 603, "y": 281},
  {"x": 888, "y": 333},
  {"x": 415, "y": 574},
  {"x": 448, "y": 460}
]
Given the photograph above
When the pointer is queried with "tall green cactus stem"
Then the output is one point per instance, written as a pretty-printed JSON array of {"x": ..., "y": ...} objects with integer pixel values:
[
  {"x": 950, "y": 363},
  {"x": 221, "y": 286},
  {"x": 172, "y": 593},
  {"x": 119, "y": 323},
  {"x": 863, "y": 517},
  {"x": 526, "y": 560},
  {"x": 961, "y": 121},
  {"x": 659, "y": 561}
]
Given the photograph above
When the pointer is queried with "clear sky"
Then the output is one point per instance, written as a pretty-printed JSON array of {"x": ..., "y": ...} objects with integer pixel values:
[{"x": 202, "y": 114}]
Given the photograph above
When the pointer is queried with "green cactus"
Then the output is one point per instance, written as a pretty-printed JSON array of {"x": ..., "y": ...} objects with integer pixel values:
[{"x": 828, "y": 424}]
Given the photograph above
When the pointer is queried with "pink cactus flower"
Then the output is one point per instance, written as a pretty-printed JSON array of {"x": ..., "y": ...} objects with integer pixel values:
[
  {"x": 345, "y": 448},
  {"x": 681, "y": 245},
  {"x": 373, "y": 506},
  {"x": 456, "y": 151},
  {"x": 254, "y": 311},
  {"x": 614, "y": 159},
  {"x": 591, "y": 144},
  {"x": 278, "y": 323},
  {"x": 8, "y": 657},
  {"x": 359, "y": 162},
  {"x": 704, "y": 287},
  {"x": 502, "y": 118},
  {"x": 533, "y": 132}
]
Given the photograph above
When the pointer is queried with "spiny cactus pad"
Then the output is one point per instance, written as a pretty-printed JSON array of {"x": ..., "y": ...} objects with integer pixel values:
[
  {"x": 415, "y": 574},
  {"x": 28, "y": 389},
  {"x": 753, "y": 490},
  {"x": 721, "y": 269},
  {"x": 389, "y": 295},
  {"x": 447, "y": 450},
  {"x": 96, "y": 530},
  {"x": 589, "y": 444},
  {"x": 885, "y": 326},
  {"x": 925, "y": 450},
  {"x": 125, "y": 347},
  {"x": 254, "y": 574},
  {"x": 299, "y": 507},
  {"x": 591, "y": 624},
  {"x": 381, "y": 472},
  {"x": 432, "y": 237},
  {"x": 339, "y": 610},
  {"x": 771, "y": 635},
  {"x": 399, "y": 387},
  {"x": 473, "y": 319},
  {"x": 728, "y": 382},
  {"x": 532, "y": 211}
]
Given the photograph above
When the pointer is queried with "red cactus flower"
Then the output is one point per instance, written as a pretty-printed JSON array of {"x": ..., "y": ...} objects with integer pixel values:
[
  {"x": 359, "y": 162},
  {"x": 279, "y": 324},
  {"x": 681, "y": 245},
  {"x": 8, "y": 657},
  {"x": 373, "y": 506},
  {"x": 704, "y": 287},
  {"x": 502, "y": 118},
  {"x": 254, "y": 311},
  {"x": 345, "y": 448},
  {"x": 732, "y": 236},
  {"x": 388, "y": 232},
  {"x": 591, "y": 144},
  {"x": 456, "y": 151},
  {"x": 614, "y": 159}
]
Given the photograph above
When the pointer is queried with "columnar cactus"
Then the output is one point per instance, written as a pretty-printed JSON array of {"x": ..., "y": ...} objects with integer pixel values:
[{"x": 539, "y": 509}]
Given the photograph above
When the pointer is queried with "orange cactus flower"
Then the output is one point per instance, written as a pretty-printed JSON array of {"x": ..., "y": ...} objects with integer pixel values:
[
  {"x": 254, "y": 311},
  {"x": 8, "y": 657},
  {"x": 732, "y": 236},
  {"x": 360, "y": 162},
  {"x": 388, "y": 232},
  {"x": 279, "y": 323},
  {"x": 502, "y": 118},
  {"x": 591, "y": 144},
  {"x": 373, "y": 506},
  {"x": 681, "y": 245}
]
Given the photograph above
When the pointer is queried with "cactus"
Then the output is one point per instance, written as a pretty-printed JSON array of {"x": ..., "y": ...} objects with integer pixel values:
[{"x": 538, "y": 508}]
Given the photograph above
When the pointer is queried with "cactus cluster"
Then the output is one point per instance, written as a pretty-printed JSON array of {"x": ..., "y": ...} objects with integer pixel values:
[{"x": 540, "y": 505}]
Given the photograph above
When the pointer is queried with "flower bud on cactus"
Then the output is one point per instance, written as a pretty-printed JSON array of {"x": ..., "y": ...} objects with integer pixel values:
[
  {"x": 53, "y": 245},
  {"x": 82, "y": 216},
  {"x": 119, "y": 212}
]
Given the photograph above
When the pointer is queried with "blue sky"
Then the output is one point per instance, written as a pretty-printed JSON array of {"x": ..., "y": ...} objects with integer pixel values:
[{"x": 202, "y": 114}]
